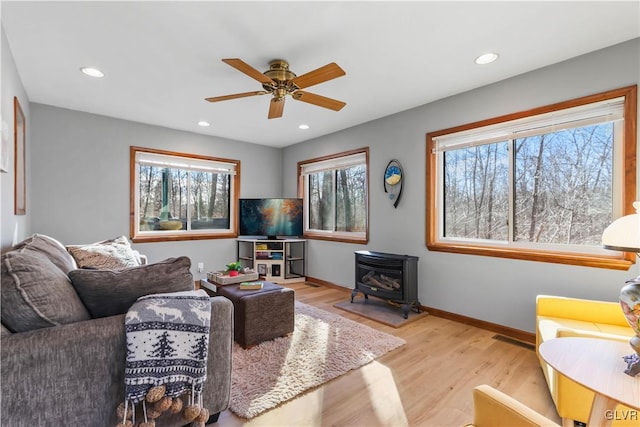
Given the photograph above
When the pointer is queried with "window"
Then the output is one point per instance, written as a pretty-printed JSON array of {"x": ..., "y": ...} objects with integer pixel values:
[
  {"x": 335, "y": 190},
  {"x": 177, "y": 196},
  {"x": 539, "y": 185}
]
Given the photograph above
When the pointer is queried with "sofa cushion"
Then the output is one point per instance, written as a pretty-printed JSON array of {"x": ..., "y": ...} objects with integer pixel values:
[
  {"x": 113, "y": 254},
  {"x": 111, "y": 292},
  {"x": 36, "y": 293},
  {"x": 51, "y": 248}
]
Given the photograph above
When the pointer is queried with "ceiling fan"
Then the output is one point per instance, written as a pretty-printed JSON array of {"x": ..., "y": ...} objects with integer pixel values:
[{"x": 279, "y": 81}]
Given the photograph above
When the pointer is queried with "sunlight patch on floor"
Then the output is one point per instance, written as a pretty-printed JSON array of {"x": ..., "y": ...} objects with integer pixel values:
[{"x": 383, "y": 394}]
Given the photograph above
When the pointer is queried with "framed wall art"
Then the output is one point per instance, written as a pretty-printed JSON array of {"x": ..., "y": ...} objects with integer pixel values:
[{"x": 19, "y": 163}]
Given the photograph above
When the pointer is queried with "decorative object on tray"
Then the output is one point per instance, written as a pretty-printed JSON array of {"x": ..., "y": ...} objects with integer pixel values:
[
  {"x": 167, "y": 344},
  {"x": 223, "y": 278},
  {"x": 624, "y": 235},
  {"x": 234, "y": 268},
  {"x": 248, "y": 286},
  {"x": 393, "y": 176}
]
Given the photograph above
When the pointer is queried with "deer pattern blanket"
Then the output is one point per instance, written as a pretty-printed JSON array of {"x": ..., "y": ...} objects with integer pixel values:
[{"x": 167, "y": 343}]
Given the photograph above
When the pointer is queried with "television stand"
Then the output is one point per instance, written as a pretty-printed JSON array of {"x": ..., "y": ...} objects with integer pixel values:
[{"x": 275, "y": 260}]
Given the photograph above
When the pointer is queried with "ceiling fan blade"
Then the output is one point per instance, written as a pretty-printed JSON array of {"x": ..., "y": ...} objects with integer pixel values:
[
  {"x": 234, "y": 96},
  {"x": 319, "y": 100},
  {"x": 247, "y": 69},
  {"x": 320, "y": 75},
  {"x": 276, "y": 108}
]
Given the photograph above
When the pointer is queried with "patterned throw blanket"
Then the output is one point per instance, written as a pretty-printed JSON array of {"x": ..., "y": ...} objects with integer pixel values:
[{"x": 167, "y": 344}]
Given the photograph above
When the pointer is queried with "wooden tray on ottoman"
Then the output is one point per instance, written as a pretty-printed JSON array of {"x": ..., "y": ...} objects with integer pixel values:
[{"x": 220, "y": 278}]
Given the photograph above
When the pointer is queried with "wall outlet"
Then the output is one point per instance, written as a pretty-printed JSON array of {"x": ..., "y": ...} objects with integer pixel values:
[{"x": 201, "y": 267}]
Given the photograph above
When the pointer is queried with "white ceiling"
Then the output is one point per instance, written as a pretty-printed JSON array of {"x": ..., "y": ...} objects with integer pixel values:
[{"x": 161, "y": 59}]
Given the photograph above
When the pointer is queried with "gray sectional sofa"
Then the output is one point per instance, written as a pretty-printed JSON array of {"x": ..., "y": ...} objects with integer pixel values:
[{"x": 63, "y": 339}]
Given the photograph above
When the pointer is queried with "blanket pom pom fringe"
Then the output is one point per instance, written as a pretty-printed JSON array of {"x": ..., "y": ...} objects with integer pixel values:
[{"x": 193, "y": 413}]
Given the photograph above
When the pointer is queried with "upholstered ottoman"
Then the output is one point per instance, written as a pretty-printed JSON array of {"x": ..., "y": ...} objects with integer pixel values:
[{"x": 261, "y": 314}]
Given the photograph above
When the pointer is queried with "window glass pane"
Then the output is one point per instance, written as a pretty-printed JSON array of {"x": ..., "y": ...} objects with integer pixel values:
[
  {"x": 570, "y": 170},
  {"x": 209, "y": 200},
  {"x": 162, "y": 198},
  {"x": 351, "y": 201},
  {"x": 476, "y": 192},
  {"x": 321, "y": 201},
  {"x": 563, "y": 188},
  {"x": 182, "y": 196}
]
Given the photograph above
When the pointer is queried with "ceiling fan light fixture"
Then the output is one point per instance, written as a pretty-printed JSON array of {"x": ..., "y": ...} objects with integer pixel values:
[
  {"x": 486, "y": 58},
  {"x": 204, "y": 123},
  {"x": 303, "y": 126},
  {"x": 92, "y": 72}
]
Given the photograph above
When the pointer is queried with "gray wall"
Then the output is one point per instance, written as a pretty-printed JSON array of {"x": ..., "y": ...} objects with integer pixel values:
[
  {"x": 14, "y": 227},
  {"x": 78, "y": 187},
  {"x": 496, "y": 290},
  {"x": 80, "y": 178}
]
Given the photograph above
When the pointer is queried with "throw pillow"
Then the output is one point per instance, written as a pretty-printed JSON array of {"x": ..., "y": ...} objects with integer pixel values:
[
  {"x": 51, "y": 248},
  {"x": 111, "y": 254},
  {"x": 36, "y": 294},
  {"x": 111, "y": 292}
]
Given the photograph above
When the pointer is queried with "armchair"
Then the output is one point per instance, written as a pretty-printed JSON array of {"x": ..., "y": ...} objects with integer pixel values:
[
  {"x": 492, "y": 408},
  {"x": 558, "y": 317}
]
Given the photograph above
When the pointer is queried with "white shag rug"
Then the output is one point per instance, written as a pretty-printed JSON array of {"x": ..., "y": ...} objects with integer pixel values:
[{"x": 323, "y": 346}]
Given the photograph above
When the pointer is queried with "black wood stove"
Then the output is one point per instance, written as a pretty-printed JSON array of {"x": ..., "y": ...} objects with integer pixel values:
[{"x": 388, "y": 276}]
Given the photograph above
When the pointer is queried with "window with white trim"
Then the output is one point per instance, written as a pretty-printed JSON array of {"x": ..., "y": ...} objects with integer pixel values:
[
  {"x": 335, "y": 191},
  {"x": 539, "y": 185},
  {"x": 180, "y": 196}
]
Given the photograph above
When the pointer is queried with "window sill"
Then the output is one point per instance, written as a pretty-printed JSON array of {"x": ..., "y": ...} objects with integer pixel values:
[
  {"x": 337, "y": 237},
  {"x": 620, "y": 262},
  {"x": 174, "y": 237}
]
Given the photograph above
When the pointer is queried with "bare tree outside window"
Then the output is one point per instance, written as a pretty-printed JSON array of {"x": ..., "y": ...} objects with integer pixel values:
[
  {"x": 476, "y": 182},
  {"x": 542, "y": 184},
  {"x": 335, "y": 193},
  {"x": 564, "y": 191},
  {"x": 195, "y": 198},
  {"x": 562, "y": 188}
]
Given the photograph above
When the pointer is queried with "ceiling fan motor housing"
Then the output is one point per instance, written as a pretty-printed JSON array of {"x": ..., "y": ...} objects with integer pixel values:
[{"x": 279, "y": 72}]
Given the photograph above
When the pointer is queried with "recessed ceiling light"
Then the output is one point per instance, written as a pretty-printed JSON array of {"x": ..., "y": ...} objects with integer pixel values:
[
  {"x": 303, "y": 127},
  {"x": 203, "y": 123},
  {"x": 93, "y": 72},
  {"x": 487, "y": 58}
]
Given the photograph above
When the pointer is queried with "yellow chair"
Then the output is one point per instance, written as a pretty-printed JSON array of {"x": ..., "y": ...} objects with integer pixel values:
[
  {"x": 558, "y": 317},
  {"x": 493, "y": 408}
]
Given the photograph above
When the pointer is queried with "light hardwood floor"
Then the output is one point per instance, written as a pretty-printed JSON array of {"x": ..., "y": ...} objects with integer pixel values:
[{"x": 426, "y": 382}]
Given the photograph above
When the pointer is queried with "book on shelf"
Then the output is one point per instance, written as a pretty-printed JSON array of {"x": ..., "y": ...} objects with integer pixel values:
[{"x": 250, "y": 285}]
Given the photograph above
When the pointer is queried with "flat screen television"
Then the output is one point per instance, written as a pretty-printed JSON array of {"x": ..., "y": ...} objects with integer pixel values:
[{"x": 271, "y": 217}]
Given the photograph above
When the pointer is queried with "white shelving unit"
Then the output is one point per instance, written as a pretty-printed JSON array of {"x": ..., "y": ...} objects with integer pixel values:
[{"x": 279, "y": 261}]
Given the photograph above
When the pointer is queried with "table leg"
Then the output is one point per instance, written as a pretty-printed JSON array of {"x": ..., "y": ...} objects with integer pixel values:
[{"x": 602, "y": 411}]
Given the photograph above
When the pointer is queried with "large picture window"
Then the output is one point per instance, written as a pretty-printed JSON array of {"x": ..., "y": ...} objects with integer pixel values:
[
  {"x": 539, "y": 185},
  {"x": 335, "y": 191},
  {"x": 179, "y": 196}
]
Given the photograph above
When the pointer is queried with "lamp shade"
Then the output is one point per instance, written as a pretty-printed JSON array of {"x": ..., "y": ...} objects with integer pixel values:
[{"x": 623, "y": 234}]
